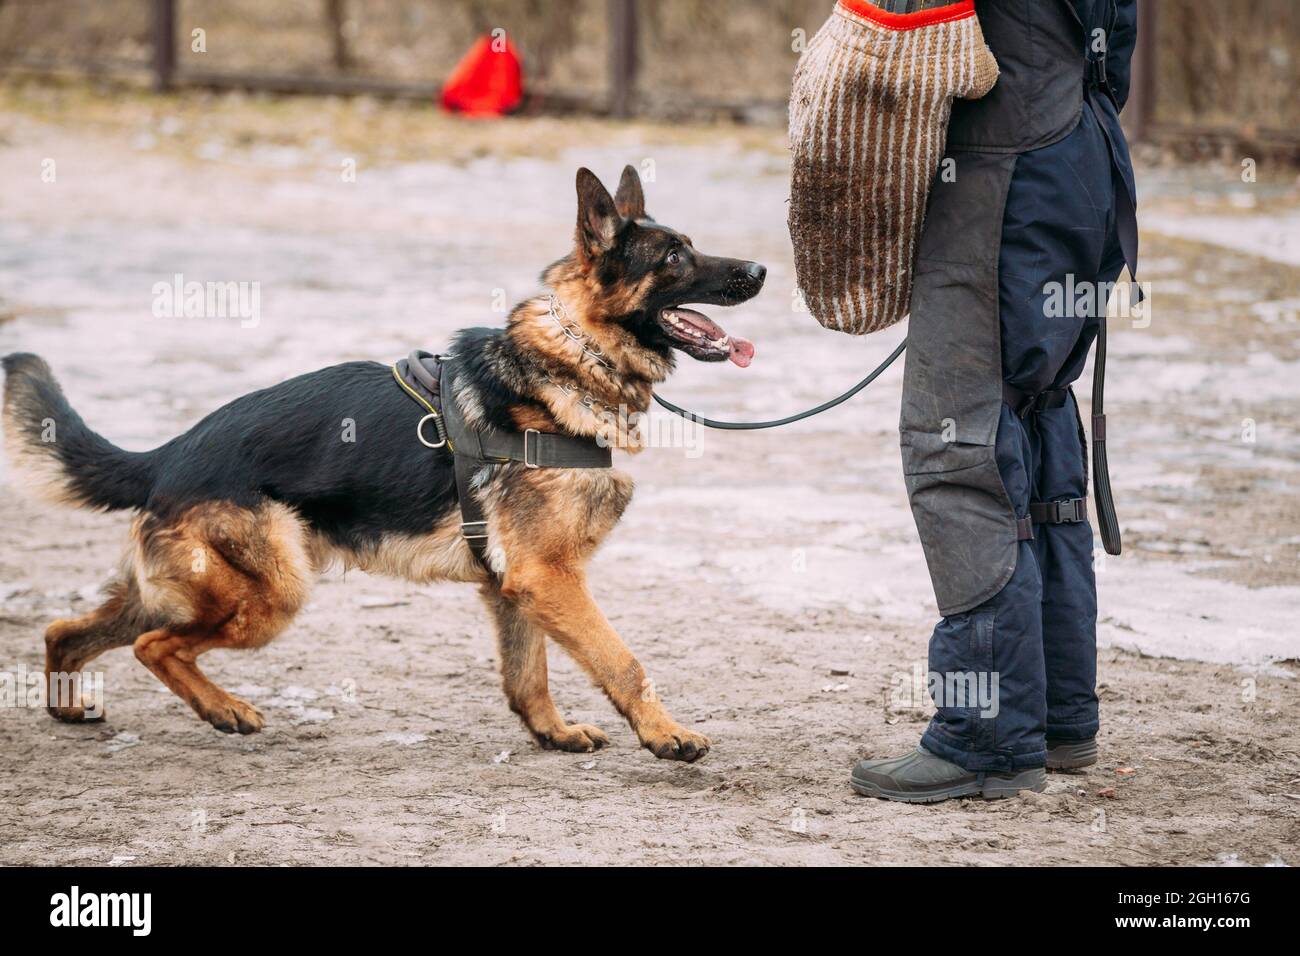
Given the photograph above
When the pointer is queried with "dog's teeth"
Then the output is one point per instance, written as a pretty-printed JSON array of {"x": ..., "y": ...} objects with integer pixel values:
[{"x": 692, "y": 330}]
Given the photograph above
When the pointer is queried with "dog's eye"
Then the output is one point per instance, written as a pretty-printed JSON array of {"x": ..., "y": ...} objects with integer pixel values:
[{"x": 674, "y": 257}]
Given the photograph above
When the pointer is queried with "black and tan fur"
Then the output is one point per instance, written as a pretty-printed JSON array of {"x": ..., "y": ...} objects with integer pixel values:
[{"x": 237, "y": 516}]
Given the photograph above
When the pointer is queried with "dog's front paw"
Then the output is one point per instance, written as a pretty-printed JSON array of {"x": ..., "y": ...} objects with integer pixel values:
[
  {"x": 235, "y": 716},
  {"x": 575, "y": 738},
  {"x": 73, "y": 708},
  {"x": 76, "y": 714},
  {"x": 677, "y": 743}
]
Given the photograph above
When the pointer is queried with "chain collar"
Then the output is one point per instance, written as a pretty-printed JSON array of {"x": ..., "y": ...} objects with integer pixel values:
[
  {"x": 560, "y": 316},
  {"x": 588, "y": 401}
]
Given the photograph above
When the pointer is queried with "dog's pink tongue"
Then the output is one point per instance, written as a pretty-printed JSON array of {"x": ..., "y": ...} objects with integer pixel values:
[{"x": 742, "y": 351}]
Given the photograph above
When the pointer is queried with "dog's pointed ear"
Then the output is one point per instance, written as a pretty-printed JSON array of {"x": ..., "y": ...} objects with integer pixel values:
[
  {"x": 630, "y": 198},
  {"x": 598, "y": 218}
]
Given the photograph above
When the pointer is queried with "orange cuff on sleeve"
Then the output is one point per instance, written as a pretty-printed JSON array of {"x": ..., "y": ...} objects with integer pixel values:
[{"x": 910, "y": 21}]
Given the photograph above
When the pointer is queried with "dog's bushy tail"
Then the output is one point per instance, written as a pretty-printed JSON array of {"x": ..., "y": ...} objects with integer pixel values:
[{"x": 53, "y": 453}]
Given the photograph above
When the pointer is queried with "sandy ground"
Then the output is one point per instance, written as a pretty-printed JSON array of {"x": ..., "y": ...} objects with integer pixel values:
[{"x": 772, "y": 583}]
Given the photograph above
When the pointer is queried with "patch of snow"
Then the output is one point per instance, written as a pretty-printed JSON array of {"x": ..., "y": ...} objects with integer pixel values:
[{"x": 1273, "y": 237}]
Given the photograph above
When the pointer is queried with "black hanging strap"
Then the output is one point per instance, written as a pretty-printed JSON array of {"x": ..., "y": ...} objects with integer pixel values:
[
  {"x": 1127, "y": 232},
  {"x": 1107, "y": 521}
]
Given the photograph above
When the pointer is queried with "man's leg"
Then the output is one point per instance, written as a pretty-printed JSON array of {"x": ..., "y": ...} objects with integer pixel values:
[
  {"x": 986, "y": 677},
  {"x": 1000, "y": 642},
  {"x": 1065, "y": 557},
  {"x": 1069, "y": 609}
]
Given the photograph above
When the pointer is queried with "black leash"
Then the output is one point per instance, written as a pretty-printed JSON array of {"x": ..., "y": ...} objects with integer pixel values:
[{"x": 825, "y": 406}]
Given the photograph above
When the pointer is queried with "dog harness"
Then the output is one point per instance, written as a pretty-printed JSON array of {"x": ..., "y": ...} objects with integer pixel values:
[{"x": 429, "y": 380}]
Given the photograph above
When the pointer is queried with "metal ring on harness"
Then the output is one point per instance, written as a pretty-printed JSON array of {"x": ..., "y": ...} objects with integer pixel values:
[{"x": 419, "y": 431}]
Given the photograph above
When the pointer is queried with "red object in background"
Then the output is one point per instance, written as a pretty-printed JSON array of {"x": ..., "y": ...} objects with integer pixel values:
[{"x": 485, "y": 82}]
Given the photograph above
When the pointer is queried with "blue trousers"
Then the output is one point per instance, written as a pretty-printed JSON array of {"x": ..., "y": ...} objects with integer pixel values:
[{"x": 1034, "y": 644}]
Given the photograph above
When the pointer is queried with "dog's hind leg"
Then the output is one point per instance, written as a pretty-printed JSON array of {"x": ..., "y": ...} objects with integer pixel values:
[
  {"x": 522, "y": 647},
  {"x": 171, "y": 655},
  {"x": 73, "y": 643},
  {"x": 231, "y": 578}
]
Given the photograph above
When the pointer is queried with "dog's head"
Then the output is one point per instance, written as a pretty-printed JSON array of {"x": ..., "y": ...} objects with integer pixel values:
[{"x": 641, "y": 274}]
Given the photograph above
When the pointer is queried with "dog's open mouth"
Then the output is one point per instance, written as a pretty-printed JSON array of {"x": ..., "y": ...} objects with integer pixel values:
[{"x": 702, "y": 338}]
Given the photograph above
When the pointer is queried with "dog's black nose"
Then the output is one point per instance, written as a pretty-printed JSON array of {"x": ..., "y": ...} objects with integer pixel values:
[{"x": 756, "y": 271}]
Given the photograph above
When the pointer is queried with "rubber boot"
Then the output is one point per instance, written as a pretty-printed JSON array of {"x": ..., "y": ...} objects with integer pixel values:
[
  {"x": 1071, "y": 754},
  {"x": 921, "y": 777}
]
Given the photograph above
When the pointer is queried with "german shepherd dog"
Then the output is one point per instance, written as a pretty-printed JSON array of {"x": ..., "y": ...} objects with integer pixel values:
[{"x": 238, "y": 515}]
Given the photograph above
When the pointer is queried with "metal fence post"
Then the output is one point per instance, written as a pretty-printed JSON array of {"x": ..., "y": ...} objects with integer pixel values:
[
  {"x": 622, "y": 56},
  {"x": 164, "y": 44}
]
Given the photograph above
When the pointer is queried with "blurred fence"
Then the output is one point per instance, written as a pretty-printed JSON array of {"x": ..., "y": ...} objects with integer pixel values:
[
  {"x": 1212, "y": 74},
  {"x": 1227, "y": 74}
]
